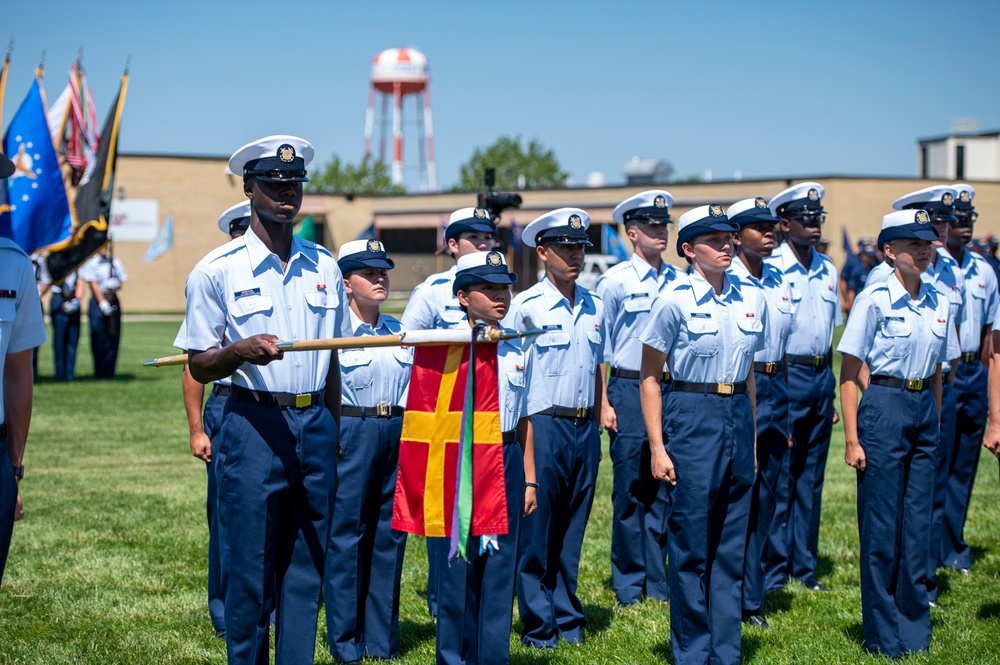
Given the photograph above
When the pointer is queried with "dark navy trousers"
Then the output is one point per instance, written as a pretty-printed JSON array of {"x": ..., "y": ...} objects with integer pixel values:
[
  {"x": 476, "y": 598},
  {"x": 364, "y": 561},
  {"x": 710, "y": 441},
  {"x": 65, "y": 337},
  {"x": 212, "y": 424},
  {"x": 898, "y": 431},
  {"x": 639, "y": 502},
  {"x": 763, "y": 536},
  {"x": 8, "y": 503},
  {"x": 811, "y": 392},
  {"x": 277, "y": 475},
  {"x": 972, "y": 409},
  {"x": 105, "y": 335},
  {"x": 567, "y": 456},
  {"x": 946, "y": 436}
]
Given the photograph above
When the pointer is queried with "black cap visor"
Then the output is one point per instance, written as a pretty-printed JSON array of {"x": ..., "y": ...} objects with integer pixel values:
[
  {"x": 473, "y": 224},
  {"x": 918, "y": 231},
  {"x": 691, "y": 232},
  {"x": 352, "y": 263},
  {"x": 484, "y": 275}
]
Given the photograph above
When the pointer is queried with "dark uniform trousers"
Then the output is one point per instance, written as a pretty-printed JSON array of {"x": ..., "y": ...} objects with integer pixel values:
[
  {"x": 946, "y": 436},
  {"x": 364, "y": 561},
  {"x": 65, "y": 337},
  {"x": 476, "y": 598},
  {"x": 212, "y": 424},
  {"x": 811, "y": 393},
  {"x": 8, "y": 500},
  {"x": 764, "y": 538},
  {"x": 277, "y": 475},
  {"x": 639, "y": 527},
  {"x": 105, "y": 334},
  {"x": 972, "y": 409},
  {"x": 710, "y": 441},
  {"x": 898, "y": 431},
  {"x": 567, "y": 456}
]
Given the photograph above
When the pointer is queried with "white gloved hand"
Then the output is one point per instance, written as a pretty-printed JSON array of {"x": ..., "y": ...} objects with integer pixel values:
[
  {"x": 71, "y": 306},
  {"x": 112, "y": 284},
  {"x": 106, "y": 308}
]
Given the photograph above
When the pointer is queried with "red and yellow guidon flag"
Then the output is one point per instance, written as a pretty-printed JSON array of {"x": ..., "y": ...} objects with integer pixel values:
[{"x": 429, "y": 449}]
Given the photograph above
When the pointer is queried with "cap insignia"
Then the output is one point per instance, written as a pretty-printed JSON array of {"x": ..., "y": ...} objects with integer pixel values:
[
  {"x": 947, "y": 199},
  {"x": 715, "y": 211},
  {"x": 494, "y": 259},
  {"x": 963, "y": 196},
  {"x": 660, "y": 202},
  {"x": 813, "y": 195},
  {"x": 374, "y": 246},
  {"x": 286, "y": 153},
  {"x": 575, "y": 222},
  {"x": 922, "y": 217},
  {"x": 480, "y": 213},
  {"x": 760, "y": 203}
]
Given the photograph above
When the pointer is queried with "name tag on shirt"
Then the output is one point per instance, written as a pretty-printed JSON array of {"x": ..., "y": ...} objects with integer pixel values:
[
  {"x": 457, "y": 308},
  {"x": 8, "y": 293},
  {"x": 551, "y": 328},
  {"x": 246, "y": 293},
  {"x": 895, "y": 318},
  {"x": 700, "y": 315}
]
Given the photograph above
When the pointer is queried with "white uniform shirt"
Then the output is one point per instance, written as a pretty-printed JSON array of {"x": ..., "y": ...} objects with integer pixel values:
[
  {"x": 980, "y": 300},
  {"x": 816, "y": 299},
  {"x": 108, "y": 273},
  {"x": 180, "y": 341},
  {"x": 21, "y": 324},
  {"x": 239, "y": 290},
  {"x": 628, "y": 290},
  {"x": 375, "y": 375},
  {"x": 433, "y": 305},
  {"x": 711, "y": 337},
  {"x": 521, "y": 394},
  {"x": 573, "y": 344},
  {"x": 780, "y": 308}
]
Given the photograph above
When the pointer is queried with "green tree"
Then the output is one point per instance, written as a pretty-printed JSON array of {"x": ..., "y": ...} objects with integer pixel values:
[
  {"x": 517, "y": 167},
  {"x": 370, "y": 176}
]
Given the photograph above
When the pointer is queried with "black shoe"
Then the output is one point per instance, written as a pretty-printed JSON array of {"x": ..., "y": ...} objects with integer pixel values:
[
  {"x": 813, "y": 585},
  {"x": 756, "y": 620}
]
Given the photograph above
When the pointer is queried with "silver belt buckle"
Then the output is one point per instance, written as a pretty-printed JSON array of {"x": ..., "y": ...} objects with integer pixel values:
[{"x": 383, "y": 410}]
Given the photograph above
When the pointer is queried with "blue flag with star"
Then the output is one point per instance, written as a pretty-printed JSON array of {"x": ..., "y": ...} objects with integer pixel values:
[{"x": 34, "y": 208}]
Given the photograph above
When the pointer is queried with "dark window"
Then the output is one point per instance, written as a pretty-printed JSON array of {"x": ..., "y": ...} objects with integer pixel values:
[
  {"x": 924, "y": 168},
  {"x": 960, "y": 162},
  {"x": 408, "y": 241}
]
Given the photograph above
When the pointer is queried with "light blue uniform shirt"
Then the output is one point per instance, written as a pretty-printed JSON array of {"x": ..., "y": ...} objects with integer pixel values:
[
  {"x": 572, "y": 346},
  {"x": 109, "y": 273},
  {"x": 816, "y": 300},
  {"x": 628, "y": 290},
  {"x": 780, "y": 308},
  {"x": 980, "y": 300},
  {"x": 21, "y": 324},
  {"x": 433, "y": 305},
  {"x": 181, "y": 343},
  {"x": 521, "y": 394},
  {"x": 375, "y": 375},
  {"x": 239, "y": 290},
  {"x": 896, "y": 336},
  {"x": 711, "y": 338}
]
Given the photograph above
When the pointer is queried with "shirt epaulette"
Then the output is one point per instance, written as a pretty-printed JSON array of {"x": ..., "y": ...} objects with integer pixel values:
[
  {"x": 223, "y": 250},
  {"x": 7, "y": 243}
]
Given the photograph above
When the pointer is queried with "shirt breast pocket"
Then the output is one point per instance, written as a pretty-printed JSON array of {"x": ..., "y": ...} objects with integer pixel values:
[
  {"x": 321, "y": 301},
  {"x": 252, "y": 314},
  {"x": 897, "y": 335},
  {"x": 451, "y": 318},
  {"x": 356, "y": 369},
  {"x": 404, "y": 362},
  {"x": 637, "y": 304},
  {"x": 752, "y": 329},
  {"x": 703, "y": 337},
  {"x": 549, "y": 345},
  {"x": 7, "y": 311},
  {"x": 515, "y": 389}
]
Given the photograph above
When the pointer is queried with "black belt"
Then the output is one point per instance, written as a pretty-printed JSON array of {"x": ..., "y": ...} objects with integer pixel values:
[
  {"x": 814, "y": 361},
  {"x": 3, "y": 431},
  {"x": 738, "y": 388},
  {"x": 566, "y": 412},
  {"x": 509, "y": 437},
  {"x": 970, "y": 357},
  {"x": 916, "y": 385},
  {"x": 298, "y": 401},
  {"x": 222, "y": 391},
  {"x": 634, "y": 374},
  {"x": 767, "y": 368},
  {"x": 380, "y": 411}
]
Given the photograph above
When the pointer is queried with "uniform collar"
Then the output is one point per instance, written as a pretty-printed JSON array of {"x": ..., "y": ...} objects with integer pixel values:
[
  {"x": 359, "y": 327},
  {"x": 703, "y": 290},
  {"x": 787, "y": 259},
  {"x": 898, "y": 293},
  {"x": 643, "y": 269},
  {"x": 552, "y": 296},
  {"x": 259, "y": 252}
]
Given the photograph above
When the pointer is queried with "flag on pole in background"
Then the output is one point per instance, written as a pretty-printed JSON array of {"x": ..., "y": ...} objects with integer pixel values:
[
  {"x": 611, "y": 242},
  {"x": 74, "y": 125},
  {"x": 93, "y": 198},
  {"x": 367, "y": 233},
  {"x": 429, "y": 484},
  {"x": 34, "y": 204},
  {"x": 306, "y": 229},
  {"x": 162, "y": 242}
]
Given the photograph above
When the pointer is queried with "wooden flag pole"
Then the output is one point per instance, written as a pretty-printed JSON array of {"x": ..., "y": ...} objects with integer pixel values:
[{"x": 408, "y": 338}]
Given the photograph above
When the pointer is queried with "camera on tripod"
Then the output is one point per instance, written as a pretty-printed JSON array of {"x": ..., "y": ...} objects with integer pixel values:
[{"x": 496, "y": 202}]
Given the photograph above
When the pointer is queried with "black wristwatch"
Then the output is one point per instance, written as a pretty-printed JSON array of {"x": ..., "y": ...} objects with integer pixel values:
[{"x": 19, "y": 472}]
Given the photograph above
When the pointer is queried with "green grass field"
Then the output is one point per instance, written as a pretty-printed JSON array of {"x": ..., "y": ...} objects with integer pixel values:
[{"x": 109, "y": 564}]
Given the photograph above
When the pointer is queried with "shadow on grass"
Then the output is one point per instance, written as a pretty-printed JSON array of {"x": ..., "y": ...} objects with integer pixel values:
[
  {"x": 855, "y": 632},
  {"x": 989, "y": 612},
  {"x": 824, "y": 567},
  {"x": 598, "y": 618},
  {"x": 413, "y": 633},
  {"x": 777, "y": 601},
  {"x": 977, "y": 553},
  {"x": 664, "y": 651}
]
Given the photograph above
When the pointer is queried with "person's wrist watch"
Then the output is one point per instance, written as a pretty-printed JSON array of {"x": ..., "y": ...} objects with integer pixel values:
[{"x": 19, "y": 472}]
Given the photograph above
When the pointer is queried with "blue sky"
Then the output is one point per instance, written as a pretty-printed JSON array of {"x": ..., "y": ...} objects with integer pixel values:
[{"x": 768, "y": 88}]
